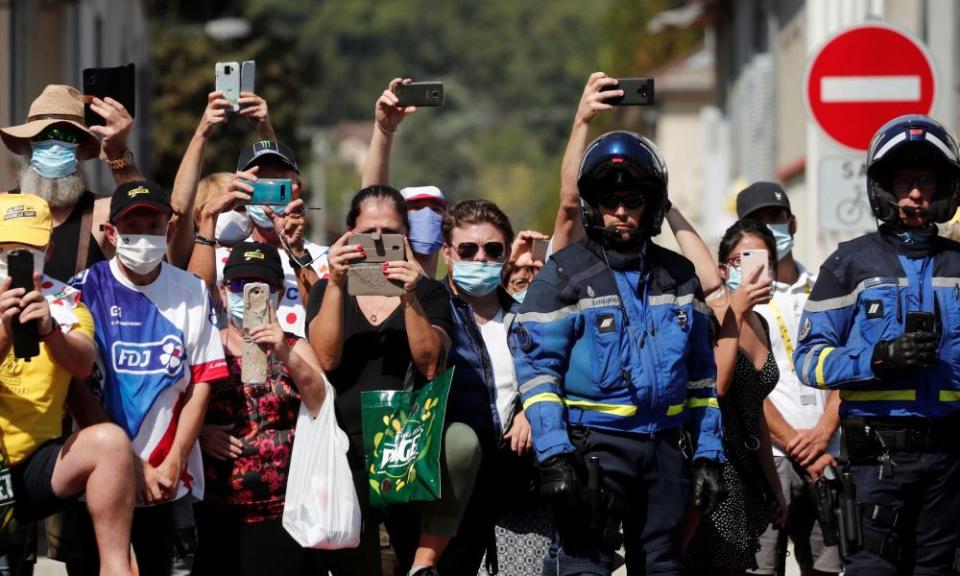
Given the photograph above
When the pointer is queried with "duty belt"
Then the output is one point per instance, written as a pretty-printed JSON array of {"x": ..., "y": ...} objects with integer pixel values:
[{"x": 867, "y": 438}]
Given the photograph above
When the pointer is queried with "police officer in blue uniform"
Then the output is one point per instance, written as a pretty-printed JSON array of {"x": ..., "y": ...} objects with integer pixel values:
[
  {"x": 883, "y": 325},
  {"x": 614, "y": 358}
]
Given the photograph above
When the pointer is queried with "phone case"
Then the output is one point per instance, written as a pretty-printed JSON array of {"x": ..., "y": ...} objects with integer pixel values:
[
  {"x": 750, "y": 260},
  {"x": 119, "y": 83},
  {"x": 26, "y": 342},
  {"x": 248, "y": 75},
  {"x": 256, "y": 311},
  {"x": 636, "y": 92},
  {"x": 228, "y": 81},
  {"x": 539, "y": 252},
  {"x": 420, "y": 94},
  {"x": 272, "y": 192},
  {"x": 365, "y": 278}
]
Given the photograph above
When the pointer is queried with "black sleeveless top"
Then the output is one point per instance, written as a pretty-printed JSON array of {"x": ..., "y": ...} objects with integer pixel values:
[{"x": 66, "y": 239}]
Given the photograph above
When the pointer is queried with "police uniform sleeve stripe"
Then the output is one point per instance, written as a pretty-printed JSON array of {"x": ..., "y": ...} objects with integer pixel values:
[
  {"x": 704, "y": 420},
  {"x": 541, "y": 339},
  {"x": 826, "y": 356}
]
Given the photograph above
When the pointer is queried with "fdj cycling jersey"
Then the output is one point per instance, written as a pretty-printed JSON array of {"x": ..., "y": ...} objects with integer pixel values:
[{"x": 153, "y": 342}]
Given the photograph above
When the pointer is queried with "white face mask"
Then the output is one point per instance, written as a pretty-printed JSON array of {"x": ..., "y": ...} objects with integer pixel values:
[
  {"x": 38, "y": 259},
  {"x": 233, "y": 227},
  {"x": 141, "y": 253}
]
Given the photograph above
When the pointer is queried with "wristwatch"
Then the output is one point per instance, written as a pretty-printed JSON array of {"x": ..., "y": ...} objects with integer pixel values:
[{"x": 125, "y": 159}]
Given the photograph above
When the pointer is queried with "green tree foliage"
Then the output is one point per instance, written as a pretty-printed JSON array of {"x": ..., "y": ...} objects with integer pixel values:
[{"x": 513, "y": 71}]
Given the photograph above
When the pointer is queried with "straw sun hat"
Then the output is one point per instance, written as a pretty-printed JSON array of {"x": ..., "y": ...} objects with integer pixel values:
[{"x": 57, "y": 104}]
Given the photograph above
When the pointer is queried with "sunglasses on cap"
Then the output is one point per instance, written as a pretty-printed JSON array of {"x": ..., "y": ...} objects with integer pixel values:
[
  {"x": 467, "y": 250},
  {"x": 612, "y": 201},
  {"x": 54, "y": 133},
  {"x": 236, "y": 285}
]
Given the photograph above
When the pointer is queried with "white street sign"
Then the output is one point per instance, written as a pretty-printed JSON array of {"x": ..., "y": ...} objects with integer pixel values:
[{"x": 843, "y": 195}]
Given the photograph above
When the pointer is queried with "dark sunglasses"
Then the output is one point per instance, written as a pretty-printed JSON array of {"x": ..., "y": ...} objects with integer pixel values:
[
  {"x": 925, "y": 182},
  {"x": 468, "y": 250},
  {"x": 613, "y": 201},
  {"x": 60, "y": 134},
  {"x": 236, "y": 285}
]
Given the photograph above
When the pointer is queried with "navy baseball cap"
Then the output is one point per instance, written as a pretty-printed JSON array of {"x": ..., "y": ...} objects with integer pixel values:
[
  {"x": 139, "y": 193},
  {"x": 254, "y": 260},
  {"x": 252, "y": 154},
  {"x": 761, "y": 195}
]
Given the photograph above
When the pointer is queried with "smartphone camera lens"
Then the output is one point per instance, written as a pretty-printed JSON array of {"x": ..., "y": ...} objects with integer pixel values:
[
  {"x": 228, "y": 69},
  {"x": 435, "y": 94}
]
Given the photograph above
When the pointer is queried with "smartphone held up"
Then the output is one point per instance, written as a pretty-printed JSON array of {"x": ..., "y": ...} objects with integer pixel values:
[
  {"x": 232, "y": 78},
  {"x": 419, "y": 94},
  {"x": 366, "y": 277},
  {"x": 636, "y": 92},
  {"x": 26, "y": 341}
]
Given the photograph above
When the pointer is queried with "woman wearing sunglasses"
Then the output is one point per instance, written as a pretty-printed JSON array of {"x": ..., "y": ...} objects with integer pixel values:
[
  {"x": 477, "y": 244},
  {"x": 368, "y": 343},
  {"x": 249, "y": 431}
]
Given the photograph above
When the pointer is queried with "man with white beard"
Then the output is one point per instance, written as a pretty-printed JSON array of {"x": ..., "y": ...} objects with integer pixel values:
[{"x": 52, "y": 142}]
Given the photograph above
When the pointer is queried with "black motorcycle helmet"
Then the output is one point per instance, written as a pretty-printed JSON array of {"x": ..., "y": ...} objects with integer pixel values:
[
  {"x": 913, "y": 141},
  {"x": 623, "y": 160}
]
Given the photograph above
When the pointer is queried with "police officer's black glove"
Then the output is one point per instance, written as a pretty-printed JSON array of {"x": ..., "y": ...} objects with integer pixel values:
[
  {"x": 558, "y": 481},
  {"x": 917, "y": 350},
  {"x": 708, "y": 488}
]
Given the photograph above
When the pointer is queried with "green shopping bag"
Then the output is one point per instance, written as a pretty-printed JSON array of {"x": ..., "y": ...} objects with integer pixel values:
[{"x": 402, "y": 438}]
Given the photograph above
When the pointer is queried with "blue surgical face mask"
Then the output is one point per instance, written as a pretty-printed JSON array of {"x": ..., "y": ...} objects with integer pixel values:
[
  {"x": 519, "y": 296},
  {"x": 477, "y": 278},
  {"x": 235, "y": 306},
  {"x": 260, "y": 217},
  {"x": 426, "y": 235},
  {"x": 781, "y": 233},
  {"x": 734, "y": 277},
  {"x": 53, "y": 158}
]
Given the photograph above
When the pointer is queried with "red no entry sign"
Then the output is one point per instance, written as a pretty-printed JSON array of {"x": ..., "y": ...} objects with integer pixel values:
[{"x": 865, "y": 76}]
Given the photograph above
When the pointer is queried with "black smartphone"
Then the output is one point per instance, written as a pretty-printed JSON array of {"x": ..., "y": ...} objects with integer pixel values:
[
  {"x": 26, "y": 342},
  {"x": 420, "y": 94},
  {"x": 118, "y": 83},
  {"x": 636, "y": 92},
  {"x": 920, "y": 322}
]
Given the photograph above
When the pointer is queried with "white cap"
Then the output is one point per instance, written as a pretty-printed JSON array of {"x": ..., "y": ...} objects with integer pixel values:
[{"x": 423, "y": 193}]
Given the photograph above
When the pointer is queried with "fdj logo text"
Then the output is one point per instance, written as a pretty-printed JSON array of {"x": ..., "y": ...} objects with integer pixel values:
[
  {"x": 165, "y": 356},
  {"x": 401, "y": 451}
]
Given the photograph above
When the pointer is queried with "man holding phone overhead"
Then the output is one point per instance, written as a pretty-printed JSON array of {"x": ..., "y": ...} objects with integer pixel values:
[{"x": 882, "y": 325}]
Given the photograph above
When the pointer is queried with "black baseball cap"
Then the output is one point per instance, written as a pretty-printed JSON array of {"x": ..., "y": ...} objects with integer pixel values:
[
  {"x": 253, "y": 153},
  {"x": 137, "y": 193},
  {"x": 254, "y": 260},
  {"x": 761, "y": 195}
]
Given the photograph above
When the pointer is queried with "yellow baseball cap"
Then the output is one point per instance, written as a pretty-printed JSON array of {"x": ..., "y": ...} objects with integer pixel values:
[{"x": 25, "y": 219}]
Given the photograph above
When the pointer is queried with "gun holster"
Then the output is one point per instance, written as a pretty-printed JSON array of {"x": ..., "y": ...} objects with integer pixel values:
[
  {"x": 600, "y": 508},
  {"x": 837, "y": 510}
]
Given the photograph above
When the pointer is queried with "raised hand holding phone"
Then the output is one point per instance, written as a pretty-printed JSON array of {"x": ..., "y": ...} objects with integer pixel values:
[
  {"x": 26, "y": 342},
  {"x": 256, "y": 312}
]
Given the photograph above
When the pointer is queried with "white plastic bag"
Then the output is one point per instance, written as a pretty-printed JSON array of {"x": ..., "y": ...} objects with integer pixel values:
[{"x": 321, "y": 509}]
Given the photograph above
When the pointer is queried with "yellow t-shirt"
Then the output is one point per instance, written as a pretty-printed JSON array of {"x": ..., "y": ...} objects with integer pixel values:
[{"x": 32, "y": 394}]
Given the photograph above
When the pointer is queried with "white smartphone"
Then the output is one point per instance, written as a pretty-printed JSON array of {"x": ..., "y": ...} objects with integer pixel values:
[
  {"x": 248, "y": 75},
  {"x": 750, "y": 260},
  {"x": 228, "y": 82}
]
